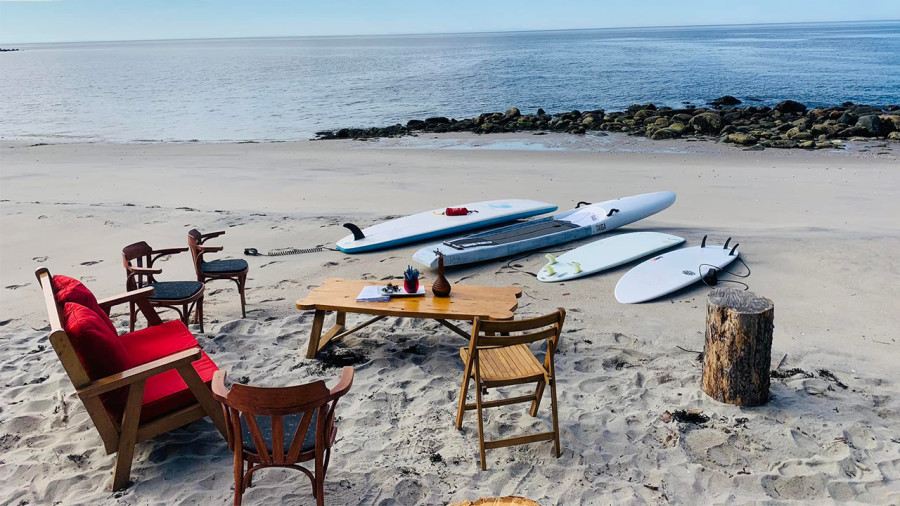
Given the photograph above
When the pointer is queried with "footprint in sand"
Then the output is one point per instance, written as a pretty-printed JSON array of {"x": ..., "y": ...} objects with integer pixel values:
[
  {"x": 91, "y": 262},
  {"x": 40, "y": 259},
  {"x": 16, "y": 287}
]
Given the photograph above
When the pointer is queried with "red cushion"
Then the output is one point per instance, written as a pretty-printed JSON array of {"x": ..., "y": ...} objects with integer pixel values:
[
  {"x": 165, "y": 392},
  {"x": 97, "y": 346},
  {"x": 71, "y": 290}
]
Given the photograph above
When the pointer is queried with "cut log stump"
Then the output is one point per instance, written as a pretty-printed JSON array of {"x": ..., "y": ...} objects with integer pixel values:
[{"x": 737, "y": 354}]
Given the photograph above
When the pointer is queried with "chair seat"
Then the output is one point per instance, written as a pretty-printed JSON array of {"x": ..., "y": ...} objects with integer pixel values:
[
  {"x": 224, "y": 266},
  {"x": 291, "y": 422},
  {"x": 175, "y": 290},
  {"x": 506, "y": 366},
  {"x": 165, "y": 392}
]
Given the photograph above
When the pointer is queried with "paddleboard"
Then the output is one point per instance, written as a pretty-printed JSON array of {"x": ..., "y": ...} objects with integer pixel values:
[
  {"x": 605, "y": 254},
  {"x": 435, "y": 223},
  {"x": 579, "y": 223},
  {"x": 666, "y": 273}
]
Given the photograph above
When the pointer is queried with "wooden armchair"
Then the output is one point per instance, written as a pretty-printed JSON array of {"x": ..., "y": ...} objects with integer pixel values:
[
  {"x": 135, "y": 386},
  {"x": 234, "y": 269},
  {"x": 496, "y": 361},
  {"x": 166, "y": 294},
  {"x": 280, "y": 427}
]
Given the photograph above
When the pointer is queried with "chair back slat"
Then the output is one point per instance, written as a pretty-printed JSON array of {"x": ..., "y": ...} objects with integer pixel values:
[
  {"x": 498, "y": 326},
  {"x": 299, "y": 436},
  {"x": 278, "y": 438},
  {"x": 525, "y": 338},
  {"x": 258, "y": 441},
  {"x": 141, "y": 254}
]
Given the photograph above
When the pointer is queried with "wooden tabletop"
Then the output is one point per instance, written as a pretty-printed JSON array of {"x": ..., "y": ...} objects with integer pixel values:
[{"x": 464, "y": 303}]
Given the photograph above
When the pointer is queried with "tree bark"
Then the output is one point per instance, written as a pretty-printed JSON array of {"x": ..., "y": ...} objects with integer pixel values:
[{"x": 737, "y": 354}]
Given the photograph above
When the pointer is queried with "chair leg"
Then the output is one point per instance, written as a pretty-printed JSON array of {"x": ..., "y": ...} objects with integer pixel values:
[
  {"x": 132, "y": 316},
  {"x": 319, "y": 491},
  {"x": 480, "y": 417},
  {"x": 463, "y": 393},
  {"x": 538, "y": 393},
  {"x": 128, "y": 437},
  {"x": 555, "y": 417},
  {"x": 242, "y": 283},
  {"x": 238, "y": 476},
  {"x": 186, "y": 314},
  {"x": 199, "y": 314}
]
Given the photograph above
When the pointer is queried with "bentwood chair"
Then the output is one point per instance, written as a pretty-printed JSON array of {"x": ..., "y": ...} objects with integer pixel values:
[
  {"x": 280, "y": 427},
  {"x": 135, "y": 386},
  {"x": 138, "y": 259},
  {"x": 234, "y": 269},
  {"x": 493, "y": 360}
]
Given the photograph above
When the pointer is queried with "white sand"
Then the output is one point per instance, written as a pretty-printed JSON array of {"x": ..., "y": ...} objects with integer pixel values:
[{"x": 820, "y": 231}]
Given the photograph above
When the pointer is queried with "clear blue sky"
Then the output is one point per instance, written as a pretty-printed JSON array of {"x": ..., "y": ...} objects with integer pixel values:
[{"x": 81, "y": 20}]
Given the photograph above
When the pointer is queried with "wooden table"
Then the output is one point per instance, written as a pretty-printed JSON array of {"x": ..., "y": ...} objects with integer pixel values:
[{"x": 466, "y": 302}]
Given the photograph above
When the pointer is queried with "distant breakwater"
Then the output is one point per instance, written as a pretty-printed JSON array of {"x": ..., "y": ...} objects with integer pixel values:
[{"x": 789, "y": 124}]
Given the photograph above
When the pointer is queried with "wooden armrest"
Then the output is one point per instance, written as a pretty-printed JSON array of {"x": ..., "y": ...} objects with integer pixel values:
[
  {"x": 211, "y": 249},
  {"x": 211, "y": 235},
  {"x": 139, "y": 373},
  {"x": 220, "y": 393},
  {"x": 344, "y": 384},
  {"x": 132, "y": 296},
  {"x": 144, "y": 270},
  {"x": 168, "y": 251}
]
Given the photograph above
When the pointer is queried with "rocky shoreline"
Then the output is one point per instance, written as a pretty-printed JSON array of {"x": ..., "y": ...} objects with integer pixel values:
[{"x": 789, "y": 124}]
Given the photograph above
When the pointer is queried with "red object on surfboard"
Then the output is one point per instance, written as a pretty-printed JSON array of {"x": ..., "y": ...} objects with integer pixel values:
[{"x": 456, "y": 211}]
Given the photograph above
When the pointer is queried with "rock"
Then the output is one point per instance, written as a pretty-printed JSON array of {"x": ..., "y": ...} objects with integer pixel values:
[
  {"x": 892, "y": 107},
  {"x": 679, "y": 127},
  {"x": 707, "y": 123},
  {"x": 890, "y": 122},
  {"x": 848, "y": 118},
  {"x": 438, "y": 120},
  {"x": 827, "y": 130},
  {"x": 872, "y": 124},
  {"x": 894, "y": 136},
  {"x": 807, "y": 145},
  {"x": 589, "y": 120},
  {"x": 725, "y": 100},
  {"x": 790, "y": 106},
  {"x": 742, "y": 139},
  {"x": 854, "y": 131},
  {"x": 781, "y": 144},
  {"x": 512, "y": 112},
  {"x": 540, "y": 112},
  {"x": 663, "y": 122},
  {"x": 415, "y": 124},
  {"x": 665, "y": 133},
  {"x": 643, "y": 114}
]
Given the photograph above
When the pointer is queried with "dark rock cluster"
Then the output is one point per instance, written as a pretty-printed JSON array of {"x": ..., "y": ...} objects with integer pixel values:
[{"x": 789, "y": 124}]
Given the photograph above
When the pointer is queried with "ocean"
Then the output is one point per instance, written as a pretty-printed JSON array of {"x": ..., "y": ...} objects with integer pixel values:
[{"x": 268, "y": 89}]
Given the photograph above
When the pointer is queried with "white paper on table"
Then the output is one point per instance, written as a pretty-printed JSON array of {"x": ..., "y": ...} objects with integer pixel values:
[{"x": 372, "y": 294}]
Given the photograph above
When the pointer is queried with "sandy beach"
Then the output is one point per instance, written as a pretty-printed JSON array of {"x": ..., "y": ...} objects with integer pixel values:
[{"x": 819, "y": 230}]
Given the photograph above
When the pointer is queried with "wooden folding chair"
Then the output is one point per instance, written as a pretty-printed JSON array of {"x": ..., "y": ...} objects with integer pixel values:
[
  {"x": 134, "y": 386},
  {"x": 280, "y": 427},
  {"x": 494, "y": 360}
]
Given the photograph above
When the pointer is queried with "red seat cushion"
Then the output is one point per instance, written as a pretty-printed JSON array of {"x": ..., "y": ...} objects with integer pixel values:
[
  {"x": 164, "y": 392},
  {"x": 71, "y": 290}
]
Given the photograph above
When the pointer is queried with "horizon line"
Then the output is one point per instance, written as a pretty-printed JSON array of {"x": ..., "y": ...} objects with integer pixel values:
[{"x": 488, "y": 32}]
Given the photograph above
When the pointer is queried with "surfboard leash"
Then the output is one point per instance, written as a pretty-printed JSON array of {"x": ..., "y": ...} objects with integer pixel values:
[
  {"x": 711, "y": 278},
  {"x": 277, "y": 252}
]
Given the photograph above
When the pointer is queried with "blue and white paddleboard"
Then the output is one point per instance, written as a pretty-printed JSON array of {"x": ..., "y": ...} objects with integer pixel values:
[
  {"x": 434, "y": 223},
  {"x": 671, "y": 271},
  {"x": 605, "y": 254},
  {"x": 579, "y": 223}
]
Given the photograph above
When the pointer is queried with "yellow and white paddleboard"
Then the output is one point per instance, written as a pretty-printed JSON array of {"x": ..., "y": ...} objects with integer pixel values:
[{"x": 605, "y": 254}]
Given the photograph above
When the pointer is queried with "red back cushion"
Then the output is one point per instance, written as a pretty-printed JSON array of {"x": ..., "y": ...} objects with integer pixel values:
[
  {"x": 71, "y": 290},
  {"x": 97, "y": 346}
]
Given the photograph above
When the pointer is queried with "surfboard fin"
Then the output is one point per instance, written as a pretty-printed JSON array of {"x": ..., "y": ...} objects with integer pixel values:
[
  {"x": 702, "y": 243},
  {"x": 357, "y": 233},
  {"x": 577, "y": 267},
  {"x": 726, "y": 243},
  {"x": 550, "y": 270},
  {"x": 731, "y": 253},
  {"x": 550, "y": 258}
]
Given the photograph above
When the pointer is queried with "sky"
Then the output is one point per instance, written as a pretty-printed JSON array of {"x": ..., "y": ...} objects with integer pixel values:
[{"x": 104, "y": 20}]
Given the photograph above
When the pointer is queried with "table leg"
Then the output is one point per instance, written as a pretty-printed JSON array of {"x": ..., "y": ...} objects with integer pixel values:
[{"x": 315, "y": 334}]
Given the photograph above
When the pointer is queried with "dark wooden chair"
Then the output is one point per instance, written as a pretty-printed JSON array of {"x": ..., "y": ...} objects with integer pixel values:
[
  {"x": 234, "y": 269},
  {"x": 135, "y": 386},
  {"x": 493, "y": 360},
  {"x": 180, "y": 296},
  {"x": 280, "y": 427}
]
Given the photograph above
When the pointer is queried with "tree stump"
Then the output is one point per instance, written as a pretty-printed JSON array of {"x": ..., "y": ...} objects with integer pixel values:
[{"x": 737, "y": 354}]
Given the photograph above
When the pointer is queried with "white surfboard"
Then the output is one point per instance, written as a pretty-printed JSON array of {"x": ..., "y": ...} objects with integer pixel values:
[
  {"x": 434, "y": 223},
  {"x": 605, "y": 254},
  {"x": 572, "y": 225},
  {"x": 666, "y": 273}
]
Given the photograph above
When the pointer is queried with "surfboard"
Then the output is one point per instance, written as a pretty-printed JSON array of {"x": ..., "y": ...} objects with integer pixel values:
[
  {"x": 579, "y": 223},
  {"x": 435, "y": 223},
  {"x": 605, "y": 254},
  {"x": 666, "y": 273}
]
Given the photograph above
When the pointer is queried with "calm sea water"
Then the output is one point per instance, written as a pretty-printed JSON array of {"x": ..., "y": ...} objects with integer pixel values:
[{"x": 288, "y": 88}]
